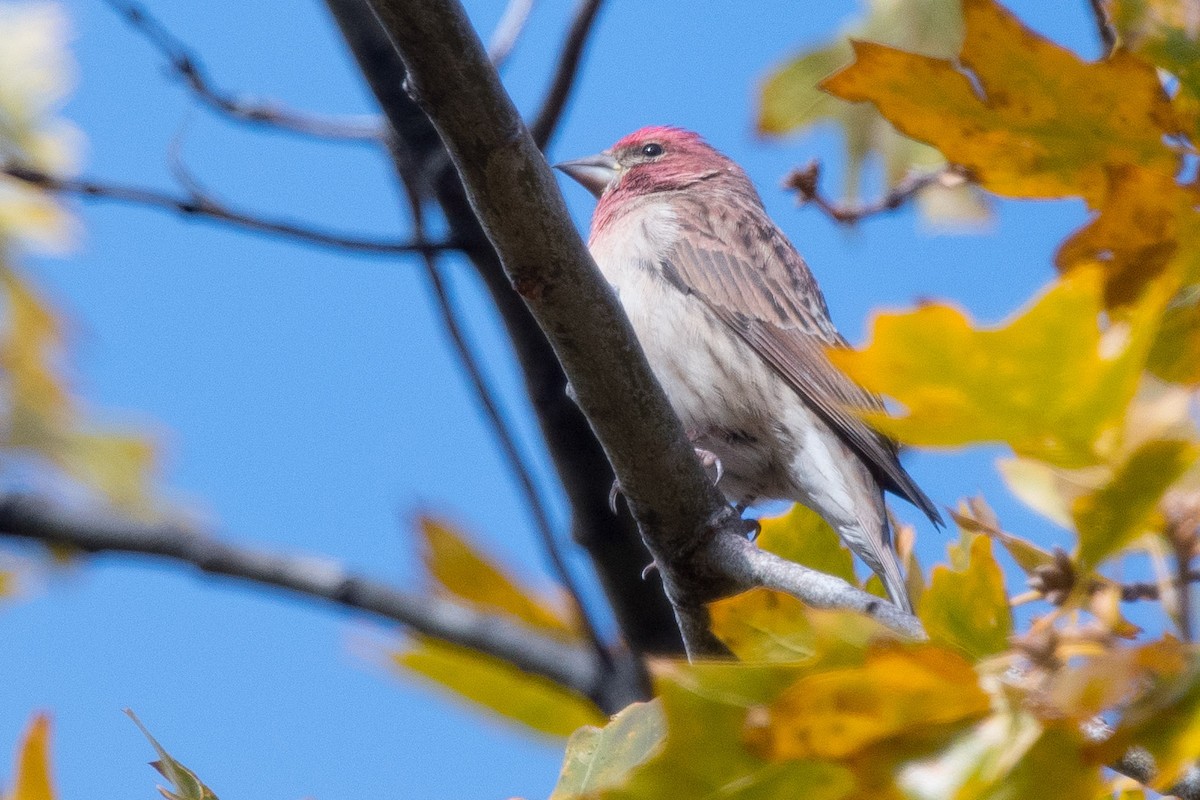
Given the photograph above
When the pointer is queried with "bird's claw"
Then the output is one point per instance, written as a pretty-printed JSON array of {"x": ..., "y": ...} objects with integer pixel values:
[
  {"x": 711, "y": 463},
  {"x": 648, "y": 569},
  {"x": 613, "y": 493}
]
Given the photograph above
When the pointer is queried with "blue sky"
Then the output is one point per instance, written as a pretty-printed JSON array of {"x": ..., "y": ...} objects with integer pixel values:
[{"x": 307, "y": 400}]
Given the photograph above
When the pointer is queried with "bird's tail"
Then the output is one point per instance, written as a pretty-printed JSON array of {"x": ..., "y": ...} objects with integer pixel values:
[{"x": 873, "y": 544}]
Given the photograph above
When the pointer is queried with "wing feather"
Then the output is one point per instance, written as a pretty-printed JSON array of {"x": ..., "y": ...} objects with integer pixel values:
[{"x": 772, "y": 301}]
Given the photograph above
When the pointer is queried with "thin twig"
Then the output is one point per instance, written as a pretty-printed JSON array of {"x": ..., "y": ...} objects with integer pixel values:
[
  {"x": 565, "y": 73},
  {"x": 805, "y": 181},
  {"x": 1132, "y": 592},
  {"x": 184, "y": 63},
  {"x": 204, "y": 207},
  {"x": 321, "y": 578},
  {"x": 501, "y": 428},
  {"x": 1104, "y": 26},
  {"x": 508, "y": 30}
]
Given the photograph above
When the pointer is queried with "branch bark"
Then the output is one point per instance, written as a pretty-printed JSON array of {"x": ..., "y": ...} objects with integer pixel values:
[
  {"x": 695, "y": 537},
  {"x": 315, "y": 577},
  {"x": 613, "y": 543}
]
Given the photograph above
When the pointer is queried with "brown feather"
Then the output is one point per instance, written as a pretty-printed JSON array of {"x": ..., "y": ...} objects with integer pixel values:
[{"x": 774, "y": 304}]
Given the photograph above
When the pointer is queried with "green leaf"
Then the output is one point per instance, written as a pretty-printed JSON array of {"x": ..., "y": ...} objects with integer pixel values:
[
  {"x": 602, "y": 758},
  {"x": 185, "y": 785},
  {"x": 969, "y": 608},
  {"x": 1111, "y": 517},
  {"x": 801, "y": 535},
  {"x": 497, "y": 685}
]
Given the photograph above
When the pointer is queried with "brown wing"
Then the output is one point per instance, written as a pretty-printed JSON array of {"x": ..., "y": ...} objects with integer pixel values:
[{"x": 772, "y": 301}]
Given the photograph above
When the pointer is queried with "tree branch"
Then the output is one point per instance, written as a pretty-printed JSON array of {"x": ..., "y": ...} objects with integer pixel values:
[
  {"x": 188, "y": 67},
  {"x": 613, "y": 543},
  {"x": 805, "y": 181},
  {"x": 502, "y": 430},
  {"x": 201, "y": 206},
  {"x": 321, "y": 578},
  {"x": 565, "y": 73},
  {"x": 1104, "y": 26},
  {"x": 508, "y": 30},
  {"x": 694, "y": 535},
  {"x": 1138, "y": 764}
]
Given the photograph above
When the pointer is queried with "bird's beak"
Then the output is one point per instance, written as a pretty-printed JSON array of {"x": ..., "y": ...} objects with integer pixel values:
[{"x": 594, "y": 173}]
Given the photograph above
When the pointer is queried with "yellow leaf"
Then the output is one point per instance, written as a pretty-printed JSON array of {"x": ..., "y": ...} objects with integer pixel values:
[
  {"x": 119, "y": 465},
  {"x": 32, "y": 781},
  {"x": 1042, "y": 122},
  {"x": 1111, "y": 517},
  {"x": 1136, "y": 233},
  {"x": 531, "y": 700},
  {"x": 765, "y": 625},
  {"x": 969, "y": 608},
  {"x": 1049, "y": 382},
  {"x": 801, "y": 535},
  {"x": 1163, "y": 32},
  {"x": 184, "y": 783},
  {"x": 790, "y": 101},
  {"x": 601, "y": 758},
  {"x": 913, "y": 693},
  {"x": 708, "y": 708},
  {"x": 460, "y": 569}
]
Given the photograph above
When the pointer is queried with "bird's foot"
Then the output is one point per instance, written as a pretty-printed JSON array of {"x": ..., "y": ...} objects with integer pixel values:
[
  {"x": 711, "y": 463},
  {"x": 613, "y": 493},
  {"x": 649, "y": 569}
]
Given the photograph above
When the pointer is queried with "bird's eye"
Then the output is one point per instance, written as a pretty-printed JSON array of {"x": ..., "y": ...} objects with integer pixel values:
[{"x": 652, "y": 150}]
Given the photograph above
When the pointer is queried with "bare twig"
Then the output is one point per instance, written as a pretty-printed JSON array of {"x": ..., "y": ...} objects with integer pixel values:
[
  {"x": 1104, "y": 26},
  {"x": 643, "y": 614},
  {"x": 508, "y": 30},
  {"x": 695, "y": 537},
  {"x": 502, "y": 429},
  {"x": 565, "y": 73},
  {"x": 203, "y": 207},
  {"x": 1132, "y": 592},
  {"x": 184, "y": 63},
  {"x": 805, "y": 181},
  {"x": 321, "y": 578}
]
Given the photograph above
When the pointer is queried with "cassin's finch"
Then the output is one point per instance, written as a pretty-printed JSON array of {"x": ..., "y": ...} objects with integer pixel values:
[{"x": 735, "y": 329}]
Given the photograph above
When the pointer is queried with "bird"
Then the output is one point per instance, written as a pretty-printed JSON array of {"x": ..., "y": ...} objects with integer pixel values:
[{"x": 736, "y": 329}]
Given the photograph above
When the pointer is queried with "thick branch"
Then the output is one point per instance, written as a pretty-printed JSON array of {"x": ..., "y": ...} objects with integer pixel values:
[
  {"x": 200, "y": 206},
  {"x": 321, "y": 578},
  {"x": 185, "y": 64},
  {"x": 644, "y": 616},
  {"x": 694, "y": 536}
]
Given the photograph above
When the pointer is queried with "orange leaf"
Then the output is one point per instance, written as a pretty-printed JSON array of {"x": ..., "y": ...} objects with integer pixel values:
[
  {"x": 1030, "y": 119},
  {"x": 33, "y": 764}
]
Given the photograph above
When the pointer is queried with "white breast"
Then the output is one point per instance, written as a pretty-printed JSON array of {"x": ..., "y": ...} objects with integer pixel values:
[{"x": 721, "y": 390}]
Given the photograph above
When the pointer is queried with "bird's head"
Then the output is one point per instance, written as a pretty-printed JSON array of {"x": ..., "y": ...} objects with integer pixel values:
[{"x": 654, "y": 159}]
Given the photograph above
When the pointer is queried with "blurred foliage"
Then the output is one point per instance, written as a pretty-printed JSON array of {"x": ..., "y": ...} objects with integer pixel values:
[
  {"x": 792, "y": 101},
  {"x": 459, "y": 571},
  {"x": 184, "y": 783},
  {"x": 31, "y": 779},
  {"x": 1093, "y": 387},
  {"x": 43, "y": 427}
]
